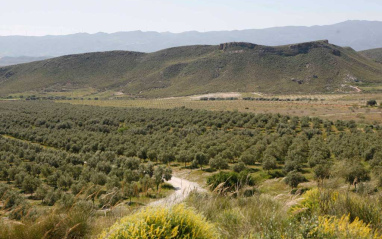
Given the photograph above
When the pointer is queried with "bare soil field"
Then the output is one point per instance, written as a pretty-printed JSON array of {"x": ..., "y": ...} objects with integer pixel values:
[{"x": 333, "y": 107}]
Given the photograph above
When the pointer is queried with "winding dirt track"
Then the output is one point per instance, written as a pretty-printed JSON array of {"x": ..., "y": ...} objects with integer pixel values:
[{"x": 182, "y": 187}]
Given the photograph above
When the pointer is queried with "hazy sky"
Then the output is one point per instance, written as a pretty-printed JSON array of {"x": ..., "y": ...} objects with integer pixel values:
[{"x": 42, "y": 17}]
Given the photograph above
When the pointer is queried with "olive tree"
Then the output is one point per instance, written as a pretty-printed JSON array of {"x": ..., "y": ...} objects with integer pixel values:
[
  {"x": 160, "y": 174},
  {"x": 200, "y": 159},
  {"x": 294, "y": 178}
]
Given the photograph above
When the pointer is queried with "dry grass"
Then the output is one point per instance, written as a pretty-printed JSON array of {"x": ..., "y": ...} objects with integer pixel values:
[{"x": 333, "y": 107}]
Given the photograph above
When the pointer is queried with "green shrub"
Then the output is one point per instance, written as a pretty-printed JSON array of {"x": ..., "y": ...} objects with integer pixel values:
[
  {"x": 218, "y": 163},
  {"x": 269, "y": 163},
  {"x": 238, "y": 167},
  {"x": 12, "y": 199},
  {"x": 371, "y": 103},
  {"x": 176, "y": 222},
  {"x": 294, "y": 178}
]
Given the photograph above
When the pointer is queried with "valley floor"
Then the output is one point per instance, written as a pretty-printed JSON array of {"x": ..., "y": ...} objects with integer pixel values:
[
  {"x": 331, "y": 107},
  {"x": 75, "y": 170}
]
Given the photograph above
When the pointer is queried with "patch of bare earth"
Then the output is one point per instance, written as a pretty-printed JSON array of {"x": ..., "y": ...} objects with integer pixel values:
[{"x": 217, "y": 95}]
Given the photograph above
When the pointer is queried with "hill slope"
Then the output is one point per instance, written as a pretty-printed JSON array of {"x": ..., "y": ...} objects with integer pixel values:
[
  {"x": 360, "y": 35},
  {"x": 375, "y": 54},
  {"x": 8, "y": 61},
  {"x": 312, "y": 67}
]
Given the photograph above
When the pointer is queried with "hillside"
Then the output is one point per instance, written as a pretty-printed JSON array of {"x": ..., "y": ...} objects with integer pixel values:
[
  {"x": 313, "y": 67},
  {"x": 375, "y": 54},
  {"x": 7, "y": 61},
  {"x": 359, "y": 35}
]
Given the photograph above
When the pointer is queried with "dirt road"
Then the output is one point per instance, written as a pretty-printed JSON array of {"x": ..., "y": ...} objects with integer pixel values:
[{"x": 182, "y": 187}]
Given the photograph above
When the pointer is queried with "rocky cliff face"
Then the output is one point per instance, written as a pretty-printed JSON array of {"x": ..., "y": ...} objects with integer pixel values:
[
  {"x": 289, "y": 50},
  {"x": 235, "y": 45}
]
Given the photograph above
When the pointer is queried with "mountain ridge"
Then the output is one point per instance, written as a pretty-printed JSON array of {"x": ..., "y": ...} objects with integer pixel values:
[
  {"x": 359, "y": 35},
  {"x": 7, "y": 61},
  {"x": 375, "y": 54},
  {"x": 310, "y": 67}
]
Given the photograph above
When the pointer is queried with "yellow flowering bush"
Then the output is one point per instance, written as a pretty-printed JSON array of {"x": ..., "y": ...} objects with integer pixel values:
[
  {"x": 166, "y": 223},
  {"x": 323, "y": 202},
  {"x": 314, "y": 200},
  {"x": 332, "y": 227}
]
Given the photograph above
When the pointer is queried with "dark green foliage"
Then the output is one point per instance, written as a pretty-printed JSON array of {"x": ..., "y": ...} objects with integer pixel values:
[
  {"x": 376, "y": 159},
  {"x": 218, "y": 163},
  {"x": 10, "y": 197},
  {"x": 292, "y": 166},
  {"x": 239, "y": 167},
  {"x": 64, "y": 182},
  {"x": 130, "y": 189},
  {"x": 269, "y": 163},
  {"x": 160, "y": 174},
  {"x": 200, "y": 159},
  {"x": 42, "y": 191},
  {"x": 99, "y": 178},
  {"x": 321, "y": 171},
  {"x": 51, "y": 197},
  {"x": 354, "y": 172},
  {"x": 184, "y": 157},
  {"x": 30, "y": 184},
  {"x": 248, "y": 158},
  {"x": 319, "y": 152},
  {"x": 371, "y": 103},
  {"x": 294, "y": 178}
]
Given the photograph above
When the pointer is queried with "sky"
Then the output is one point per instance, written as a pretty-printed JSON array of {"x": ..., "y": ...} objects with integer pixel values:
[{"x": 61, "y": 17}]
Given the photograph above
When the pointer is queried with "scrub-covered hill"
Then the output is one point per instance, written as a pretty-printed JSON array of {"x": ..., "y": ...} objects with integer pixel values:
[{"x": 312, "y": 67}]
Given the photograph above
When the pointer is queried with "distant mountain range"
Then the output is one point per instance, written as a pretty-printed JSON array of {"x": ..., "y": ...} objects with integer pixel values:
[
  {"x": 311, "y": 67},
  {"x": 360, "y": 35}
]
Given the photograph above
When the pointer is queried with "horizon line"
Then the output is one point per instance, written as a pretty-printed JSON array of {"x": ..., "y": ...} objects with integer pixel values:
[{"x": 191, "y": 31}]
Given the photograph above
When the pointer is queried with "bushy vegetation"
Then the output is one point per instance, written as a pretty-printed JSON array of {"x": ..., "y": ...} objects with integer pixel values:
[
  {"x": 327, "y": 202},
  {"x": 245, "y": 217},
  {"x": 51, "y": 175},
  {"x": 332, "y": 227},
  {"x": 321, "y": 214},
  {"x": 176, "y": 222},
  {"x": 371, "y": 103},
  {"x": 64, "y": 221},
  {"x": 62, "y": 157}
]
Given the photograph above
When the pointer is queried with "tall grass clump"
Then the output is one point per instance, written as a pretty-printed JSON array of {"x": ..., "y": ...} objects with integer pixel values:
[
  {"x": 73, "y": 222},
  {"x": 319, "y": 214},
  {"x": 344, "y": 206},
  {"x": 176, "y": 222},
  {"x": 260, "y": 216},
  {"x": 230, "y": 181}
]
